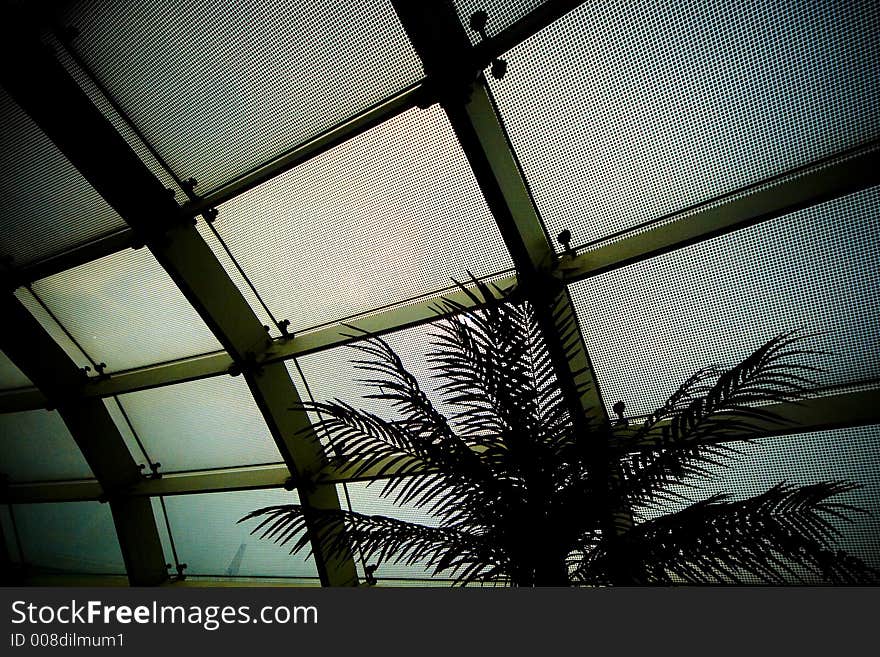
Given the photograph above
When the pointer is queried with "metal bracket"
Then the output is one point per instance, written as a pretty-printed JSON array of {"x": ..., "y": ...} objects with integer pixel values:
[{"x": 478, "y": 21}]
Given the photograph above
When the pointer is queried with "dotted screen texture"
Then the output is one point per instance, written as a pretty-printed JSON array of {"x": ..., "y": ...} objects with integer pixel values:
[
  {"x": 851, "y": 455},
  {"x": 51, "y": 326},
  {"x": 650, "y": 325},
  {"x": 37, "y": 446},
  {"x": 209, "y": 423},
  {"x": 10, "y": 376},
  {"x": 100, "y": 101},
  {"x": 391, "y": 214},
  {"x": 224, "y": 87},
  {"x": 124, "y": 310},
  {"x": 330, "y": 373},
  {"x": 209, "y": 540},
  {"x": 500, "y": 14},
  {"x": 622, "y": 112},
  {"x": 69, "y": 537},
  {"x": 46, "y": 206}
]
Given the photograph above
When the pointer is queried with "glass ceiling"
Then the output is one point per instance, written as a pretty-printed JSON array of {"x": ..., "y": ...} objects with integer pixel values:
[
  {"x": 622, "y": 112},
  {"x": 70, "y": 537},
  {"x": 391, "y": 214},
  {"x": 225, "y": 87},
  {"x": 619, "y": 113},
  {"x": 651, "y": 325},
  {"x": 198, "y": 425},
  {"x": 46, "y": 205},
  {"x": 36, "y": 446},
  {"x": 209, "y": 540},
  {"x": 125, "y": 311}
]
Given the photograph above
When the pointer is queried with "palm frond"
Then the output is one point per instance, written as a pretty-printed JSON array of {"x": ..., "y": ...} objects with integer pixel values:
[
  {"x": 683, "y": 438},
  {"x": 780, "y": 536},
  {"x": 381, "y": 539}
]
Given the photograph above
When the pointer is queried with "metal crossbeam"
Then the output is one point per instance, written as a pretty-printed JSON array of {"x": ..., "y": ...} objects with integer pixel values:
[
  {"x": 199, "y": 367},
  {"x": 443, "y": 45},
  {"x": 819, "y": 182},
  {"x": 55, "y": 102},
  {"x": 34, "y": 352},
  {"x": 835, "y": 410}
]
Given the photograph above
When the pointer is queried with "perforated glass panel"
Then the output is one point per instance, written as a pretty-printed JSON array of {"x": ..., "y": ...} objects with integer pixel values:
[
  {"x": 840, "y": 455},
  {"x": 46, "y": 205},
  {"x": 37, "y": 308},
  {"x": 392, "y": 214},
  {"x": 224, "y": 87},
  {"x": 37, "y": 446},
  {"x": 10, "y": 375},
  {"x": 69, "y": 537},
  {"x": 125, "y": 311},
  {"x": 330, "y": 373},
  {"x": 622, "y": 112},
  {"x": 650, "y": 325},
  {"x": 210, "y": 423},
  {"x": 210, "y": 542}
]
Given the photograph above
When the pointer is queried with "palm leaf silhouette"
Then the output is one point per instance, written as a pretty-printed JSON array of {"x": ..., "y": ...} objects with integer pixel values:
[{"x": 512, "y": 479}]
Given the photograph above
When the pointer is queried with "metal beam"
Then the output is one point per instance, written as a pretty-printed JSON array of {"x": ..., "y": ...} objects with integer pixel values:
[
  {"x": 821, "y": 181},
  {"x": 56, "y": 103},
  {"x": 379, "y": 323},
  {"x": 834, "y": 410},
  {"x": 34, "y": 352},
  {"x": 443, "y": 45}
]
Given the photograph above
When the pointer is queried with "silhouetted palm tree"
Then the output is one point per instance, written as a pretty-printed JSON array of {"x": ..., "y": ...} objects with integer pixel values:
[{"x": 519, "y": 494}]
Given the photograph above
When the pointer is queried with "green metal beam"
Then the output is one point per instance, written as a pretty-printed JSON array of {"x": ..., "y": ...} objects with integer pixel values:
[
  {"x": 834, "y": 410},
  {"x": 56, "y": 103},
  {"x": 199, "y": 367},
  {"x": 34, "y": 352},
  {"x": 822, "y": 181},
  {"x": 447, "y": 56}
]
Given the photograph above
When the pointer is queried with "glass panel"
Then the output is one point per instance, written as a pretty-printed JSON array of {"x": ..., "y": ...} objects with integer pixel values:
[
  {"x": 841, "y": 455},
  {"x": 500, "y": 14},
  {"x": 650, "y": 325},
  {"x": 46, "y": 206},
  {"x": 392, "y": 214},
  {"x": 210, "y": 542},
  {"x": 210, "y": 236},
  {"x": 268, "y": 77},
  {"x": 69, "y": 537},
  {"x": 330, "y": 374},
  {"x": 366, "y": 499},
  {"x": 131, "y": 441},
  {"x": 622, "y": 112},
  {"x": 124, "y": 310},
  {"x": 36, "y": 446},
  {"x": 10, "y": 375},
  {"x": 100, "y": 101},
  {"x": 210, "y": 423},
  {"x": 52, "y": 327}
]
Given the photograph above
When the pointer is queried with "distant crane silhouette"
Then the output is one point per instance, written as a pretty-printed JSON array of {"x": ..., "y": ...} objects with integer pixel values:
[{"x": 235, "y": 564}]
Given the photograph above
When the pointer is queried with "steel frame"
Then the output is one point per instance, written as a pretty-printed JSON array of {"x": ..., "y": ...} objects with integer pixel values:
[{"x": 456, "y": 83}]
